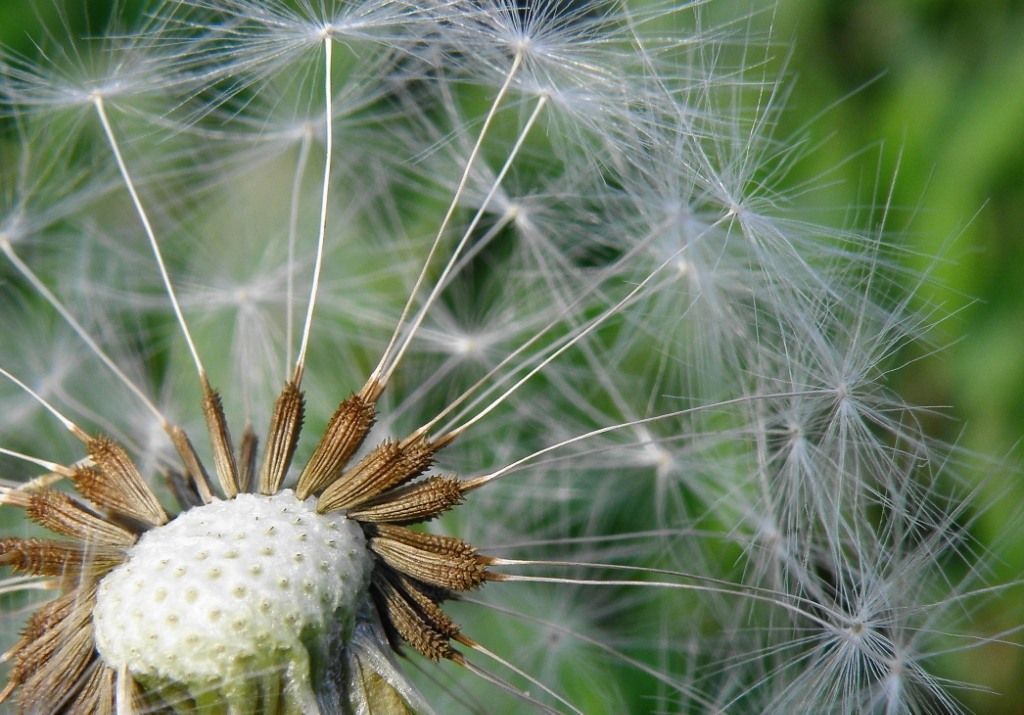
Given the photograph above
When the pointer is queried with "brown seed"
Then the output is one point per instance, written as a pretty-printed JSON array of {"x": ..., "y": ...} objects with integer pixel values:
[
  {"x": 62, "y": 514},
  {"x": 96, "y": 696},
  {"x": 46, "y": 638},
  {"x": 425, "y": 599},
  {"x": 57, "y": 680},
  {"x": 282, "y": 438},
  {"x": 50, "y": 557},
  {"x": 411, "y": 504},
  {"x": 183, "y": 488},
  {"x": 389, "y": 464},
  {"x": 409, "y": 622},
  {"x": 441, "y": 561},
  {"x": 116, "y": 483},
  {"x": 344, "y": 434},
  {"x": 193, "y": 466},
  {"x": 247, "y": 458},
  {"x": 220, "y": 439}
]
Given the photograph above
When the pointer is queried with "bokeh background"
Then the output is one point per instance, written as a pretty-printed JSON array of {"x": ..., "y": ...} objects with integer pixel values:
[
  {"x": 938, "y": 87},
  {"x": 919, "y": 103}
]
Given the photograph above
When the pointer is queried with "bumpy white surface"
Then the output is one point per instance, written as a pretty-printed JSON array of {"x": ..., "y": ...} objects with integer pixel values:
[{"x": 230, "y": 587}]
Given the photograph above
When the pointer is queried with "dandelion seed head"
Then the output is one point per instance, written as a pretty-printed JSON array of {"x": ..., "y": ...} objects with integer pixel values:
[
  {"x": 558, "y": 304},
  {"x": 159, "y": 612}
]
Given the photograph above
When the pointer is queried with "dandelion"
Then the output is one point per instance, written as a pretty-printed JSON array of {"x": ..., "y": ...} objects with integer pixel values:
[{"x": 481, "y": 362}]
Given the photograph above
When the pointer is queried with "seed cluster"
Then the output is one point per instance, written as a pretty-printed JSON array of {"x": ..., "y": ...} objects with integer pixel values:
[{"x": 264, "y": 585}]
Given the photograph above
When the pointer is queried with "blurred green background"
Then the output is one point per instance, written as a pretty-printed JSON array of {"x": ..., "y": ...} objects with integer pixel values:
[
  {"x": 938, "y": 86},
  {"x": 926, "y": 96},
  {"x": 932, "y": 92}
]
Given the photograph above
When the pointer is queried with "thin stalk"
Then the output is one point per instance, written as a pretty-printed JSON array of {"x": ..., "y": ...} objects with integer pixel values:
[
  {"x": 115, "y": 147},
  {"x": 71, "y": 426},
  {"x": 293, "y": 230},
  {"x": 442, "y": 279},
  {"x": 375, "y": 377},
  {"x": 322, "y": 232},
  {"x": 80, "y": 331}
]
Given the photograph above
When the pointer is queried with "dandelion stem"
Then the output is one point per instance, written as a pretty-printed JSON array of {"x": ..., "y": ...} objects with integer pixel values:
[
  {"x": 383, "y": 366},
  {"x": 518, "y": 671},
  {"x": 224, "y": 457},
  {"x": 467, "y": 234},
  {"x": 569, "y": 339},
  {"x": 594, "y": 324},
  {"x": 45, "y": 464},
  {"x": 17, "y": 584},
  {"x": 97, "y": 101},
  {"x": 750, "y": 593},
  {"x": 293, "y": 230},
  {"x": 124, "y": 696},
  {"x": 80, "y": 331},
  {"x": 477, "y": 482},
  {"x": 692, "y": 694},
  {"x": 72, "y": 427},
  {"x": 322, "y": 231}
]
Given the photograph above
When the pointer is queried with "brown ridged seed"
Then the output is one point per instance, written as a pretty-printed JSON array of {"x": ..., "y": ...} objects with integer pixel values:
[
  {"x": 97, "y": 694},
  {"x": 247, "y": 458},
  {"x": 389, "y": 464},
  {"x": 183, "y": 489},
  {"x": 62, "y": 514},
  {"x": 50, "y": 557},
  {"x": 193, "y": 466},
  {"x": 128, "y": 695},
  {"x": 72, "y": 616},
  {"x": 411, "y": 504},
  {"x": 344, "y": 434},
  {"x": 41, "y": 636},
  {"x": 419, "y": 596},
  {"x": 53, "y": 686},
  {"x": 441, "y": 561},
  {"x": 116, "y": 483},
  {"x": 47, "y": 617},
  {"x": 410, "y": 623},
  {"x": 220, "y": 440},
  {"x": 285, "y": 426}
]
